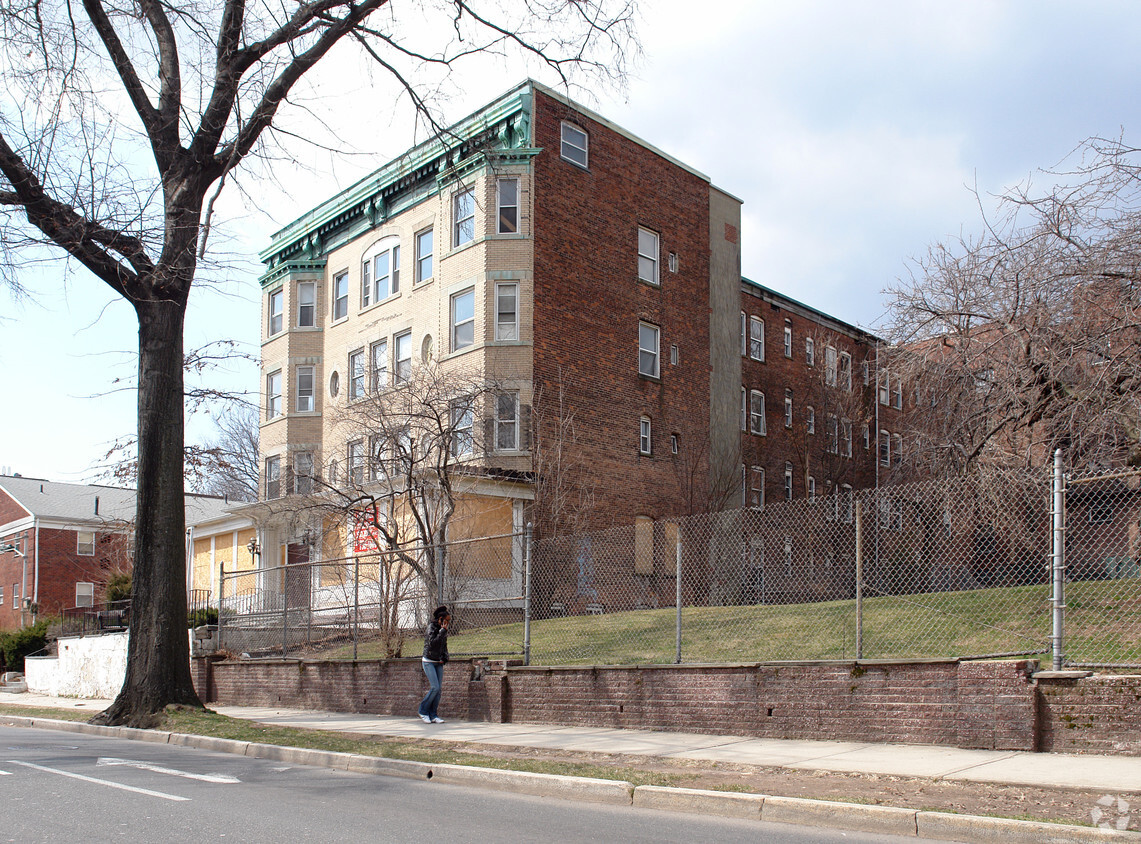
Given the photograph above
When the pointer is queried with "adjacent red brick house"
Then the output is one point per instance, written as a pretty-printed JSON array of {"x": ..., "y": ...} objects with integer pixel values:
[{"x": 59, "y": 543}]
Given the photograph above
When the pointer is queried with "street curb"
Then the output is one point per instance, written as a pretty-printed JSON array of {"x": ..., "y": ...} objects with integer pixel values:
[{"x": 726, "y": 804}]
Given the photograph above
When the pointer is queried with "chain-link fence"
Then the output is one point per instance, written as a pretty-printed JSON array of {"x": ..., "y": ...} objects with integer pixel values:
[
  {"x": 967, "y": 568},
  {"x": 375, "y": 605}
]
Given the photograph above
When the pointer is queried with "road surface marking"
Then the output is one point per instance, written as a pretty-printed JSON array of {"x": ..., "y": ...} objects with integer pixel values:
[
  {"x": 158, "y": 769},
  {"x": 98, "y": 782}
]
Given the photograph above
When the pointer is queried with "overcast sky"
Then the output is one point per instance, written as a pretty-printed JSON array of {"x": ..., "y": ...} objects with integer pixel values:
[{"x": 853, "y": 133}]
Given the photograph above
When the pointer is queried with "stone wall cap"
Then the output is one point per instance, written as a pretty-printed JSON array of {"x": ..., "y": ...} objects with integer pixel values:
[{"x": 1061, "y": 675}]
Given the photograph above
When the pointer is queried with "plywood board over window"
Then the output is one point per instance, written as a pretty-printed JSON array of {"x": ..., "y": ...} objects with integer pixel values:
[
  {"x": 480, "y": 516},
  {"x": 643, "y": 545}
]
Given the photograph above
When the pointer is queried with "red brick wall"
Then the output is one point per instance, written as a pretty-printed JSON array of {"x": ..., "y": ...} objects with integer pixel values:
[
  {"x": 977, "y": 704},
  {"x": 588, "y": 303},
  {"x": 1098, "y": 714}
]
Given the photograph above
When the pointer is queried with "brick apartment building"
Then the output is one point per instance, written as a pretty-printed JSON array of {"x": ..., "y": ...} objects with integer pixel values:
[
  {"x": 59, "y": 543},
  {"x": 592, "y": 276}
]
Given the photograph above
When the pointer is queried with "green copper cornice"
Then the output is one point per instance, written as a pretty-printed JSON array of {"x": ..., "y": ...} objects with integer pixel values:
[
  {"x": 287, "y": 268},
  {"x": 500, "y": 131}
]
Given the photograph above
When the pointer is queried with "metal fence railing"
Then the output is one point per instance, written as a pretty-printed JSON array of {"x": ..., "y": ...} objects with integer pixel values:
[{"x": 967, "y": 568}]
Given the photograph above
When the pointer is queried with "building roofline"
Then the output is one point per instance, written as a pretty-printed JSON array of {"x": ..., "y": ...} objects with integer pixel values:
[{"x": 790, "y": 304}]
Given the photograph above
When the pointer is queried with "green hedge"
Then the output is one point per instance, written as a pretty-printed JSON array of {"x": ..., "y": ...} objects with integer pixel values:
[{"x": 20, "y": 643}]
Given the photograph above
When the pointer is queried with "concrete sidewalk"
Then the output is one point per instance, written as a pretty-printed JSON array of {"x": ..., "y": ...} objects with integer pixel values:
[{"x": 1050, "y": 770}]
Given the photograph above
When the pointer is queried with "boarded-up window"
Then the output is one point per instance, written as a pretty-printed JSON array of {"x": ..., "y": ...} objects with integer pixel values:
[
  {"x": 643, "y": 545},
  {"x": 202, "y": 560},
  {"x": 475, "y": 518},
  {"x": 669, "y": 551}
]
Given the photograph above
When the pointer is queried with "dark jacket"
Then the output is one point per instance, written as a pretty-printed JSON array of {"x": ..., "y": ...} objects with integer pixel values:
[{"x": 436, "y": 643}]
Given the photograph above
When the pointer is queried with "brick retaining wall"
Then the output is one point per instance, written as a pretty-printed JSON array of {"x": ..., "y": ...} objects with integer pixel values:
[{"x": 1098, "y": 714}]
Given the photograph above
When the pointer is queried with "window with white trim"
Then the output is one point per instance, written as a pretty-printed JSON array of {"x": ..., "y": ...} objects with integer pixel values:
[
  {"x": 84, "y": 593},
  {"x": 847, "y": 503},
  {"x": 788, "y": 408},
  {"x": 744, "y": 412},
  {"x": 306, "y": 304},
  {"x": 380, "y": 271},
  {"x": 507, "y": 311},
  {"x": 896, "y": 449},
  {"x": 647, "y": 256},
  {"x": 354, "y": 464},
  {"x": 810, "y": 419},
  {"x": 463, "y": 441},
  {"x": 833, "y": 432},
  {"x": 575, "y": 145},
  {"x": 645, "y": 436},
  {"x": 356, "y": 374},
  {"x": 884, "y": 388},
  {"x": 810, "y": 351},
  {"x": 744, "y": 334},
  {"x": 423, "y": 244},
  {"x": 276, "y": 311},
  {"x": 830, "y": 366},
  {"x": 305, "y": 377},
  {"x": 463, "y": 217},
  {"x": 16, "y": 595},
  {"x": 303, "y": 472},
  {"x": 811, "y": 488},
  {"x": 340, "y": 296},
  {"x": 757, "y": 413},
  {"x": 845, "y": 375},
  {"x": 402, "y": 357},
  {"x": 273, "y": 395},
  {"x": 507, "y": 206},
  {"x": 787, "y": 339},
  {"x": 463, "y": 320},
  {"x": 846, "y": 437},
  {"x": 507, "y": 421},
  {"x": 788, "y": 482},
  {"x": 272, "y": 477},
  {"x": 757, "y": 486},
  {"x": 897, "y": 394},
  {"x": 378, "y": 355},
  {"x": 85, "y": 543},
  {"x": 885, "y": 448},
  {"x": 649, "y": 339},
  {"x": 756, "y": 338},
  {"x": 675, "y": 443}
]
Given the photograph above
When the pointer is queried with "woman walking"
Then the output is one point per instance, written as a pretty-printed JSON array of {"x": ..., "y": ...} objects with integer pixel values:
[{"x": 435, "y": 655}]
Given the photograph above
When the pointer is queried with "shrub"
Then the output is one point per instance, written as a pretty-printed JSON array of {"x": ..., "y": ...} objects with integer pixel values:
[
  {"x": 118, "y": 587},
  {"x": 202, "y": 616},
  {"x": 20, "y": 643}
]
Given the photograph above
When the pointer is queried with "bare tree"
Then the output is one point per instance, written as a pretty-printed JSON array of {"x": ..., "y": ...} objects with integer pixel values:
[
  {"x": 125, "y": 121},
  {"x": 1026, "y": 338},
  {"x": 564, "y": 485},
  {"x": 232, "y": 455}
]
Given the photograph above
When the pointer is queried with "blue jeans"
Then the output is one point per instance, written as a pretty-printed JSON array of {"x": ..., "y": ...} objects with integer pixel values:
[{"x": 431, "y": 702}]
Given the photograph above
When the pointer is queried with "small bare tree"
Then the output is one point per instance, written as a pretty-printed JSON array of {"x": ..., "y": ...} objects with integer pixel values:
[{"x": 232, "y": 455}]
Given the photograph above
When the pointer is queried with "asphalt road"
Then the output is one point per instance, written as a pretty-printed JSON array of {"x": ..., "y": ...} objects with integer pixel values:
[{"x": 68, "y": 787}]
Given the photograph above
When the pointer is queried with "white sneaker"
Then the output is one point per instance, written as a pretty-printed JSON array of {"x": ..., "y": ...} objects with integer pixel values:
[
  {"x": 437, "y": 720},
  {"x": 425, "y": 719}
]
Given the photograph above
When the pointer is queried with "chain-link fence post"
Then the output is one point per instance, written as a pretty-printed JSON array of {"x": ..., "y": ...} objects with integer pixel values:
[
  {"x": 527, "y": 594},
  {"x": 356, "y": 603},
  {"x": 859, "y": 579},
  {"x": 285, "y": 610},
  {"x": 221, "y": 595},
  {"x": 677, "y": 596},
  {"x": 1058, "y": 564}
]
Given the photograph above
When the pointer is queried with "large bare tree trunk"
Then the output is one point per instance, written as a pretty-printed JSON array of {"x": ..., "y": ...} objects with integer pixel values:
[{"x": 158, "y": 658}]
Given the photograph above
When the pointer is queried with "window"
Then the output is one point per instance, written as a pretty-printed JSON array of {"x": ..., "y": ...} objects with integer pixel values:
[
  {"x": 648, "y": 339},
  {"x": 833, "y": 434},
  {"x": 673, "y": 262},
  {"x": 643, "y": 545},
  {"x": 810, "y": 419},
  {"x": 756, "y": 338},
  {"x": 306, "y": 304},
  {"x": 272, "y": 477},
  {"x": 507, "y": 206},
  {"x": 884, "y": 387},
  {"x": 645, "y": 436},
  {"x": 675, "y": 443},
  {"x": 378, "y": 353},
  {"x": 85, "y": 543},
  {"x": 787, "y": 339},
  {"x": 303, "y": 472},
  {"x": 356, "y": 375},
  {"x": 788, "y": 408},
  {"x": 744, "y": 334},
  {"x": 273, "y": 395},
  {"x": 1, "y": 595},
  {"x": 885, "y": 448},
  {"x": 402, "y": 354},
  {"x": 354, "y": 465},
  {"x": 811, "y": 488},
  {"x": 383, "y": 267},
  {"x": 788, "y": 556},
  {"x": 744, "y": 411},
  {"x": 84, "y": 594},
  {"x": 340, "y": 296},
  {"x": 463, "y": 320},
  {"x": 276, "y": 311},
  {"x": 867, "y": 437},
  {"x": 757, "y": 412},
  {"x": 788, "y": 482},
  {"x": 423, "y": 256},
  {"x": 507, "y": 311},
  {"x": 304, "y": 389},
  {"x": 674, "y": 355},
  {"x": 462, "y": 419},
  {"x": 574, "y": 145},
  {"x": 830, "y": 366},
  {"x": 647, "y": 256},
  {"x": 847, "y": 503},
  {"x": 810, "y": 351},
  {"x": 896, "y": 449},
  {"x": 334, "y": 384},
  {"x": 845, "y": 370},
  {"x": 757, "y": 487},
  {"x": 897, "y": 394},
  {"x": 463, "y": 217},
  {"x": 507, "y": 421},
  {"x": 867, "y": 373},
  {"x": 846, "y": 437}
]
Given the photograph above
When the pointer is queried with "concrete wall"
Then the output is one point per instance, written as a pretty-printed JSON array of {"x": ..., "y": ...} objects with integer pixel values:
[
  {"x": 993, "y": 705},
  {"x": 91, "y": 666}
]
